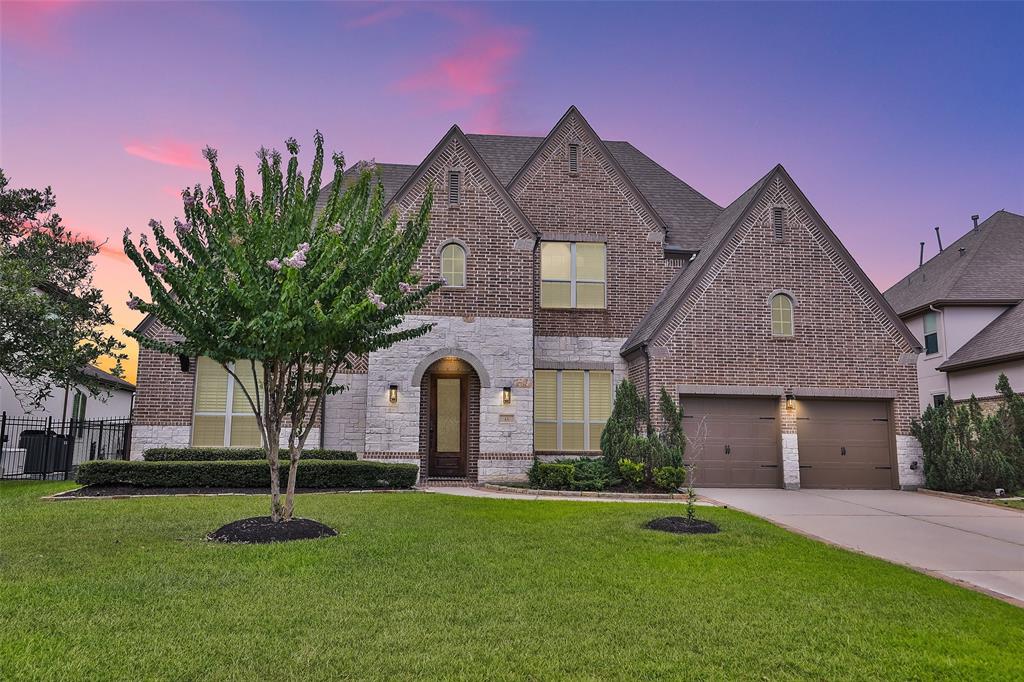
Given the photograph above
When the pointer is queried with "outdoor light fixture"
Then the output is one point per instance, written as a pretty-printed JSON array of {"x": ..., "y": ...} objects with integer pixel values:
[
  {"x": 790, "y": 401},
  {"x": 506, "y": 395},
  {"x": 393, "y": 393}
]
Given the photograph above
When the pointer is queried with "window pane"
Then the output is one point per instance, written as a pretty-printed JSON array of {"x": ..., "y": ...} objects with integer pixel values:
[
  {"x": 589, "y": 295},
  {"x": 931, "y": 323},
  {"x": 555, "y": 295},
  {"x": 453, "y": 265},
  {"x": 595, "y": 436},
  {"x": 782, "y": 315},
  {"x": 931, "y": 343},
  {"x": 211, "y": 386},
  {"x": 245, "y": 433},
  {"x": 208, "y": 431},
  {"x": 590, "y": 261},
  {"x": 449, "y": 415},
  {"x": 572, "y": 436},
  {"x": 554, "y": 260},
  {"x": 600, "y": 398},
  {"x": 545, "y": 395},
  {"x": 572, "y": 395},
  {"x": 545, "y": 436},
  {"x": 239, "y": 403}
]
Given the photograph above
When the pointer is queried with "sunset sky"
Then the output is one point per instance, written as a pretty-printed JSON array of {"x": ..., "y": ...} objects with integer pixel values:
[{"x": 892, "y": 118}]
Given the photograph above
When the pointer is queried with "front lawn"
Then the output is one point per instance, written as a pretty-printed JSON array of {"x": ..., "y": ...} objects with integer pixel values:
[{"x": 419, "y": 585}]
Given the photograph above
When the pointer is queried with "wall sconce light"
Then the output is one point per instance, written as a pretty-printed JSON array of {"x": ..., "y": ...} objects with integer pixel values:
[
  {"x": 393, "y": 393},
  {"x": 506, "y": 395},
  {"x": 790, "y": 401}
]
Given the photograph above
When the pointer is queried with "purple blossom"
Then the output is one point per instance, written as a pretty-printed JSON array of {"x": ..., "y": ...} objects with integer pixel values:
[
  {"x": 368, "y": 166},
  {"x": 298, "y": 259},
  {"x": 133, "y": 303},
  {"x": 159, "y": 268},
  {"x": 190, "y": 201},
  {"x": 404, "y": 288},
  {"x": 274, "y": 264},
  {"x": 127, "y": 232},
  {"x": 181, "y": 228},
  {"x": 154, "y": 224},
  {"x": 375, "y": 299}
]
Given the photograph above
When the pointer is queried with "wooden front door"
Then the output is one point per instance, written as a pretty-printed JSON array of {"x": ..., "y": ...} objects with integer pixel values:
[{"x": 449, "y": 417}]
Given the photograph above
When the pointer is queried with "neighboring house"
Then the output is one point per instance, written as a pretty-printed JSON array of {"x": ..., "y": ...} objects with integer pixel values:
[
  {"x": 112, "y": 401},
  {"x": 964, "y": 305},
  {"x": 573, "y": 263}
]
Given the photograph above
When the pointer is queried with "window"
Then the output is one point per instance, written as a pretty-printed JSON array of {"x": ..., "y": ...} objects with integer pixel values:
[
  {"x": 223, "y": 416},
  {"x": 454, "y": 186},
  {"x": 570, "y": 409},
  {"x": 939, "y": 399},
  {"x": 453, "y": 265},
  {"x": 572, "y": 275},
  {"x": 78, "y": 406},
  {"x": 931, "y": 333},
  {"x": 574, "y": 158},
  {"x": 782, "y": 315},
  {"x": 778, "y": 223}
]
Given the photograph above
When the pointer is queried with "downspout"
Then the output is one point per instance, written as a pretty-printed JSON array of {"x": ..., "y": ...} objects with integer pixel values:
[{"x": 945, "y": 348}]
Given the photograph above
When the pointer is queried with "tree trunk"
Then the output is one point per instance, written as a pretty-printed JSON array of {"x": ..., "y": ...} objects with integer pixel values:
[
  {"x": 273, "y": 461},
  {"x": 294, "y": 451}
]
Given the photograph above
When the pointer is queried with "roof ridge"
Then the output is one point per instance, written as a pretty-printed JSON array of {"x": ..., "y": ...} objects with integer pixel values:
[{"x": 651, "y": 159}]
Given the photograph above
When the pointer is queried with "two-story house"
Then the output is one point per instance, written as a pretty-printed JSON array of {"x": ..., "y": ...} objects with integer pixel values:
[
  {"x": 573, "y": 263},
  {"x": 964, "y": 305}
]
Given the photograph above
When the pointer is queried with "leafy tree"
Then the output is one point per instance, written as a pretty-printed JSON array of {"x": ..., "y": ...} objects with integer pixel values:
[
  {"x": 51, "y": 315},
  {"x": 281, "y": 295}
]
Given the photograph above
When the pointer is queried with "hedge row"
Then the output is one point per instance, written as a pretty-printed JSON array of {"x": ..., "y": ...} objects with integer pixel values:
[
  {"x": 359, "y": 475},
  {"x": 234, "y": 454}
]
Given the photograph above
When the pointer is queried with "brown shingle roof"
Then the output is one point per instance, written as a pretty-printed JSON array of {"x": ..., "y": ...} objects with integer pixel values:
[
  {"x": 108, "y": 378},
  {"x": 392, "y": 176},
  {"x": 1001, "y": 340},
  {"x": 990, "y": 269}
]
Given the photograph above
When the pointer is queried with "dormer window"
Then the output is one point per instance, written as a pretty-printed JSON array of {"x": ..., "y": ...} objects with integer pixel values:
[
  {"x": 779, "y": 224},
  {"x": 454, "y": 186},
  {"x": 574, "y": 158}
]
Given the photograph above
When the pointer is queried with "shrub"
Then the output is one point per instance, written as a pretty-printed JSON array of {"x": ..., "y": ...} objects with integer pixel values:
[
  {"x": 627, "y": 422},
  {"x": 233, "y": 454},
  {"x": 533, "y": 473},
  {"x": 632, "y": 472},
  {"x": 311, "y": 473},
  {"x": 555, "y": 476},
  {"x": 670, "y": 478},
  {"x": 672, "y": 434}
]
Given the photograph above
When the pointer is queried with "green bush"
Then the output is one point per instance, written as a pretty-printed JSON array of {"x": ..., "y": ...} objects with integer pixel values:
[
  {"x": 555, "y": 476},
  {"x": 670, "y": 478},
  {"x": 590, "y": 474},
  {"x": 234, "y": 454},
  {"x": 312, "y": 473},
  {"x": 633, "y": 473},
  {"x": 627, "y": 422}
]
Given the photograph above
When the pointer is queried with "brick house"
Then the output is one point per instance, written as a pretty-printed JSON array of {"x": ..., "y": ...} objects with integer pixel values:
[{"x": 573, "y": 263}]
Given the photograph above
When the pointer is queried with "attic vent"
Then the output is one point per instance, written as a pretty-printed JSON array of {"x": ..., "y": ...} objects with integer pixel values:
[
  {"x": 454, "y": 186},
  {"x": 778, "y": 223},
  {"x": 574, "y": 158}
]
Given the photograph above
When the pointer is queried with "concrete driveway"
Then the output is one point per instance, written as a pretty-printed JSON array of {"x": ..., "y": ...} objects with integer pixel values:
[{"x": 975, "y": 543}]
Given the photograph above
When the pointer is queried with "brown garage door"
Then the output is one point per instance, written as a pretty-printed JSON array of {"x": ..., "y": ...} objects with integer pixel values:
[
  {"x": 733, "y": 442},
  {"x": 843, "y": 444}
]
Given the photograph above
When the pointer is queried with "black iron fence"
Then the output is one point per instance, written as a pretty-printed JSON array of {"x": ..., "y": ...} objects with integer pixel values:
[{"x": 44, "y": 448}]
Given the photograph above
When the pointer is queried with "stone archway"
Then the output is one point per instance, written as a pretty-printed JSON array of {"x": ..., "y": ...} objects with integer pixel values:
[
  {"x": 449, "y": 415},
  {"x": 472, "y": 360}
]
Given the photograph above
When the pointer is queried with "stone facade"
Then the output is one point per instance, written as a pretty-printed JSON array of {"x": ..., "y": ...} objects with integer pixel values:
[{"x": 345, "y": 415}]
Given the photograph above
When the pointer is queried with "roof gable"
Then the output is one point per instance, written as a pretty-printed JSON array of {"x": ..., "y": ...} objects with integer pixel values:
[
  {"x": 1001, "y": 340},
  {"x": 726, "y": 233}
]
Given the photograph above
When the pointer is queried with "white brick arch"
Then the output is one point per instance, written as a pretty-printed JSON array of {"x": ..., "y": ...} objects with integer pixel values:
[{"x": 472, "y": 360}]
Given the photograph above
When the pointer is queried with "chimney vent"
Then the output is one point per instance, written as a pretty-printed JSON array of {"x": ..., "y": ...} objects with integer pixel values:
[
  {"x": 962, "y": 251},
  {"x": 920, "y": 260},
  {"x": 939, "y": 238},
  {"x": 975, "y": 219}
]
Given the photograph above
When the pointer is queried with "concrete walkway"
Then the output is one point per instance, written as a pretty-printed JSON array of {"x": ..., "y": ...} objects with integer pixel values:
[{"x": 979, "y": 544}]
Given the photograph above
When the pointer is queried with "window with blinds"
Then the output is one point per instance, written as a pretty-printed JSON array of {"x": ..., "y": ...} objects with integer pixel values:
[
  {"x": 223, "y": 415},
  {"x": 570, "y": 409},
  {"x": 572, "y": 275}
]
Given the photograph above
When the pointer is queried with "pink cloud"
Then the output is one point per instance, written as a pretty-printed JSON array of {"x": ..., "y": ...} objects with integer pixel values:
[
  {"x": 168, "y": 152},
  {"x": 36, "y": 24}
]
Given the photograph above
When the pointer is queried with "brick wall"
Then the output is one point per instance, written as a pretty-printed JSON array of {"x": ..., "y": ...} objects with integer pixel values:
[{"x": 163, "y": 395}]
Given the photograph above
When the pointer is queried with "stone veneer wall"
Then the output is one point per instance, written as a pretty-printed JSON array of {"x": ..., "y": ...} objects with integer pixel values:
[{"x": 345, "y": 415}]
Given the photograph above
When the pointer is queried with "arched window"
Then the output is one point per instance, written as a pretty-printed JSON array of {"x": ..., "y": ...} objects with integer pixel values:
[
  {"x": 453, "y": 265},
  {"x": 782, "y": 315}
]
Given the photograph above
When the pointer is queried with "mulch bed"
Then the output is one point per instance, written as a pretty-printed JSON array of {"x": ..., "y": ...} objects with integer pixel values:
[
  {"x": 116, "y": 490},
  {"x": 681, "y": 524},
  {"x": 261, "y": 530}
]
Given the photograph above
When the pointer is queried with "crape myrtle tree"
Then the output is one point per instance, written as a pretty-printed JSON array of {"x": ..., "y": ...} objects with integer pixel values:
[{"x": 281, "y": 295}]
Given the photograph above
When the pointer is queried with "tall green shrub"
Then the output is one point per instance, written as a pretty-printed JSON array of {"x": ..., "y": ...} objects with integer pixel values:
[{"x": 627, "y": 422}]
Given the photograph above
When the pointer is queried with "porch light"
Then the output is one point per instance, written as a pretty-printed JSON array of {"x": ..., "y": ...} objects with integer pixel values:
[
  {"x": 393, "y": 393},
  {"x": 506, "y": 395},
  {"x": 790, "y": 401}
]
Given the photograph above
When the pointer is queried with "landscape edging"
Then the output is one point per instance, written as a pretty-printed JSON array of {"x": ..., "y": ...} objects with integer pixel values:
[{"x": 581, "y": 493}]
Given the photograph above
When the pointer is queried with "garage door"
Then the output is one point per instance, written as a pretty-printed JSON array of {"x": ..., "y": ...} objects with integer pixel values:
[
  {"x": 843, "y": 444},
  {"x": 733, "y": 442}
]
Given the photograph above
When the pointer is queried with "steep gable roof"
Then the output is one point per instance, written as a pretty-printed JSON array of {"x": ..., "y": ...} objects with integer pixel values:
[
  {"x": 1001, "y": 340},
  {"x": 390, "y": 175},
  {"x": 727, "y": 223},
  {"x": 989, "y": 269},
  {"x": 505, "y": 154}
]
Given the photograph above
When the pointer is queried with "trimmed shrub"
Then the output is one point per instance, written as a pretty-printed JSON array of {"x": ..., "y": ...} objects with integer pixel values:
[
  {"x": 670, "y": 478},
  {"x": 234, "y": 454},
  {"x": 312, "y": 473},
  {"x": 628, "y": 421},
  {"x": 555, "y": 476},
  {"x": 589, "y": 474},
  {"x": 632, "y": 472}
]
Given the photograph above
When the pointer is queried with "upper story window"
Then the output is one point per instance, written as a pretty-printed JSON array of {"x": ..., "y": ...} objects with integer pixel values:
[
  {"x": 453, "y": 265},
  {"x": 572, "y": 275},
  {"x": 574, "y": 158},
  {"x": 454, "y": 186},
  {"x": 782, "y": 315},
  {"x": 931, "y": 333},
  {"x": 571, "y": 408},
  {"x": 223, "y": 416}
]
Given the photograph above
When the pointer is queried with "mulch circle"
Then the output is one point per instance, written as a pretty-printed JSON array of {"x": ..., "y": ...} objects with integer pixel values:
[
  {"x": 260, "y": 530},
  {"x": 681, "y": 524}
]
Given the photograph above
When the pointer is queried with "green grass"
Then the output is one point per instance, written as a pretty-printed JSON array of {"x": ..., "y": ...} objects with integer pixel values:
[
  {"x": 420, "y": 585},
  {"x": 1016, "y": 504}
]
